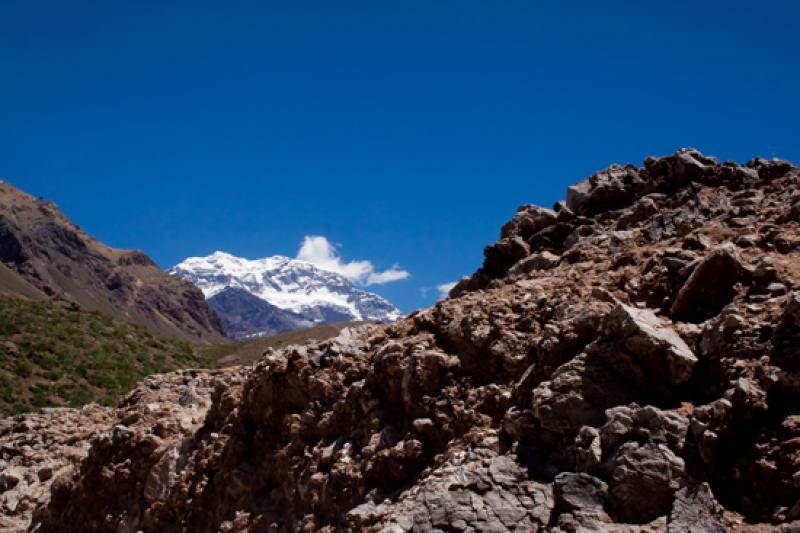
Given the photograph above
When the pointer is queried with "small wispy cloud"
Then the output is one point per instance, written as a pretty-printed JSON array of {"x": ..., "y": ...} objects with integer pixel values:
[
  {"x": 319, "y": 251},
  {"x": 387, "y": 276},
  {"x": 444, "y": 288}
]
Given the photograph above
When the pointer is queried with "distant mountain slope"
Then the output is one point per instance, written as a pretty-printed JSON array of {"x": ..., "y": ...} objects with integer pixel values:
[
  {"x": 45, "y": 256},
  {"x": 299, "y": 294},
  {"x": 245, "y": 315}
]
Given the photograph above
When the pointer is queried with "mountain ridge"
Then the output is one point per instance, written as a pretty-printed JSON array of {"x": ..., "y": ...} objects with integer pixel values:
[
  {"x": 297, "y": 293},
  {"x": 45, "y": 256}
]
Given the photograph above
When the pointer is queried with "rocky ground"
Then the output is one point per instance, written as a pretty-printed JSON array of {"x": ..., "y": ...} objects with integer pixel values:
[
  {"x": 35, "y": 449},
  {"x": 629, "y": 361}
]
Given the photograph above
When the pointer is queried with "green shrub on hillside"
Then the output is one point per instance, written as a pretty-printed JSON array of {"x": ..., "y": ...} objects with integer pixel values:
[{"x": 50, "y": 356}]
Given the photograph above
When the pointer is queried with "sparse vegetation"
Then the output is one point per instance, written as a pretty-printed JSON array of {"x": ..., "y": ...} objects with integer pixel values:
[{"x": 50, "y": 356}]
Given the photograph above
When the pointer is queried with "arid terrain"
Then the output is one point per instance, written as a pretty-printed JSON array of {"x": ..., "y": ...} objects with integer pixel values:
[{"x": 628, "y": 361}]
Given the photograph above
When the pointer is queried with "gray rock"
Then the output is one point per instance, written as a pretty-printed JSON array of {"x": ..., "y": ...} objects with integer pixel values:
[
  {"x": 538, "y": 261},
  {"x": 579, "y": 491},
  {"x": 612, "y": 188},
  {"x": 644, "y": 479},
  {"x": 695, "y": 509},
  {"x": 676, "y": 170},
  {"x": 640, "y": 346},
  {"x": 529, "y": 220},
  {"x": 577, "y": 395},
  {"x": 711, "y": 286}
]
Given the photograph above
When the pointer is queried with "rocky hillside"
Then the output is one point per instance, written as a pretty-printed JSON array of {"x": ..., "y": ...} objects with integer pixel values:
[
  {"x": 629, "y": 361},
  {"x": 44, "y": 256}
]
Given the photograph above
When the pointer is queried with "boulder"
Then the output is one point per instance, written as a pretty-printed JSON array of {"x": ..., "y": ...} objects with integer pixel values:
[
  {"x": 529, "y": 220},
  {"x": 695, "y": 509},
  {"x": 613, "y": 188},
  {"x": 644, "y": 480},
  {"x": 711, "y": 285},
  {"x": 499, "y": 257},
  {"x": 538, "y": 261},
  {"x": 578, "y": 394},
  {"x": 580, "y": 503},
  {"x": 644, "y": 349},
  {"x": 679, "y": 169},
  {"x": 579, "y": 491}
]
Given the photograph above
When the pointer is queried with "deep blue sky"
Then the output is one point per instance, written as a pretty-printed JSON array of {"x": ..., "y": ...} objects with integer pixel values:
[{"x": 406, "y": 131}]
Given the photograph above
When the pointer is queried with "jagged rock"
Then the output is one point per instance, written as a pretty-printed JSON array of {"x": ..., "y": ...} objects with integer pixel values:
[
  {"x": 529, "y": 220},
  {"x": 644, "y": 479},
  {"x": 578, "y": 394},
  {"x": 612, "y": 188},
  {"x": 579, "y": 503},
  {"x": 643, "y": 468},
  {"x": 639, "y": 212},
  {"x": 770, "y": 169},
  {"x": 469, "y": 493},
  {"x": 36, "y": 449},
  {"x": 695, "y": 509},
  {"x": 643, "y": 424},
  {"x": 538, "y": 261},
  {"x": 579, "y": 491},
  {"x": 711, "y": 286},
  {"x": 708, "y": 422},
  {"x": 682, "y": 167},
  {"x": 504, "y": 253},
  {"x": 641, "y": 347}
]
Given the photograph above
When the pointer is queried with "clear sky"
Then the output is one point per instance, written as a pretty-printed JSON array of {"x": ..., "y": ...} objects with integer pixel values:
[{"x": 406, "y": 133}]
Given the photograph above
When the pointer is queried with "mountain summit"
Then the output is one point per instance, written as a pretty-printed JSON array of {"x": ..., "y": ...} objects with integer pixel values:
[{"x": 266, "y": 296}]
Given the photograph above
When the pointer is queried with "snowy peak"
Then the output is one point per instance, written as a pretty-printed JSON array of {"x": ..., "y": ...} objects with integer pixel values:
[{"x": 309, "y": 294}]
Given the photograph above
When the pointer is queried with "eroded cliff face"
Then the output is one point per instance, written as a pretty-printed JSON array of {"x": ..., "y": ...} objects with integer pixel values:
[{"x": 627, "y": 362}]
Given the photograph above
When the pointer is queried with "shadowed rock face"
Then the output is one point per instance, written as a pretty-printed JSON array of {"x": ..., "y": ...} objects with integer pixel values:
[
  {"x": 51, "y": 258},
  {"x": 246, "y": 316},
  {"x": 568, "y": 394}
]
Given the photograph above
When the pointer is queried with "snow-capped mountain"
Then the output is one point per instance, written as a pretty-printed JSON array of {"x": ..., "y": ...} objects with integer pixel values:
[{"x": 289, "y": 294}]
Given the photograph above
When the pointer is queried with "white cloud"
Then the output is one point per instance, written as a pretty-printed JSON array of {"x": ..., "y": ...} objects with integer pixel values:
[
  {"x": 387, "y": 276},
  {"x": 444, "y": 288},
  {"x": 317, "y": 250}
]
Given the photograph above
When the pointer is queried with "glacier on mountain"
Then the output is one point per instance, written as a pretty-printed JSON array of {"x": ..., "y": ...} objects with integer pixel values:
[{"x": 306, "y": 293}]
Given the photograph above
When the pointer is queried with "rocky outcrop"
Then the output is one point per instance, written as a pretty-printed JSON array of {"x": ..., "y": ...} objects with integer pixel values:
[
  {"x": 598, "y": 373},
  {"x": 47, "y": 257}
]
